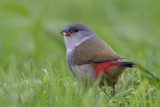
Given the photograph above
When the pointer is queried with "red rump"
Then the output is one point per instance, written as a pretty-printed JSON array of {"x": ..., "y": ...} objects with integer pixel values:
[{"x": 105, "y": 66}]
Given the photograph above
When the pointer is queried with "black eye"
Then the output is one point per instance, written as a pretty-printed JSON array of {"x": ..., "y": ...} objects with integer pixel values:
[{"x": 76, "y": 30}]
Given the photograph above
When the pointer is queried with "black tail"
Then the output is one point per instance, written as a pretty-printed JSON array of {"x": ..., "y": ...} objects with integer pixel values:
[{"x": 127, "y": 64}]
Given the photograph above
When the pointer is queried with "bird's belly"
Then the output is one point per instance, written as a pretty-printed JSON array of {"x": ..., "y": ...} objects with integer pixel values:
[{"x": 82, "y": 71}]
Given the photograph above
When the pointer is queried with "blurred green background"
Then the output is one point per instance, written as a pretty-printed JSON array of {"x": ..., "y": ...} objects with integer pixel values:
[{"x": 30, "y": 39}]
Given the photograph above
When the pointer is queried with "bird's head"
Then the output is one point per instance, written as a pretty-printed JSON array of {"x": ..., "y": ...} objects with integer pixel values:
[
  {"x": 76, "y": 33},
  {"x": 76, "y": 29}
]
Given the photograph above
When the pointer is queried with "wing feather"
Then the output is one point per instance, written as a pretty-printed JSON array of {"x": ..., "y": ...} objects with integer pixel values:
[{"x": 98, "y": 51}]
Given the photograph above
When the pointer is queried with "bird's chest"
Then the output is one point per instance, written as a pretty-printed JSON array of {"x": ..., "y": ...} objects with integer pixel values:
[{"x": 69, "y": 56}]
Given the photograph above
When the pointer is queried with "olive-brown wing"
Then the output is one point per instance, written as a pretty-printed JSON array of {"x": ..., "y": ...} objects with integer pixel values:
[{"x": 94, "y": 50}]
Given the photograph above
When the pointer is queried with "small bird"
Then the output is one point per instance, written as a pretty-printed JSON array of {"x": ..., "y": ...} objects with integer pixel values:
[{"x": 86, "y": 52}]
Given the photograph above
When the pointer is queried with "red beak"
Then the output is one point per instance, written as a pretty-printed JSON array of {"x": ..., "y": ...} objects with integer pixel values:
[{"x": 65, "y": 33}]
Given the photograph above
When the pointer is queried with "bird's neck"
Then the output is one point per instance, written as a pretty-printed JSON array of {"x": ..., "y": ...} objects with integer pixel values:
[{"x": 72, "y": 42}]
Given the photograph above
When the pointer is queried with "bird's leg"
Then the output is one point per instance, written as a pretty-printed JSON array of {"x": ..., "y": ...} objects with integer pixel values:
[
  {"x": 113, "y": 91},
  {"x": 103, "y": 90}
]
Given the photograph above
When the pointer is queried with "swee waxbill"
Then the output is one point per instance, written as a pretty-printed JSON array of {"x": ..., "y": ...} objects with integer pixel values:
[{"x": 86, "y": 52}]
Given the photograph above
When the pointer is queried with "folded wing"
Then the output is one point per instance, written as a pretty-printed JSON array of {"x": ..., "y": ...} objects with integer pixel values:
[{"x": 99, "y": 51}]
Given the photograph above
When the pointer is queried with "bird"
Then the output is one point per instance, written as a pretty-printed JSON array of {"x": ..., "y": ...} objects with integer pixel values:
[{"x": 87, "y": 54}]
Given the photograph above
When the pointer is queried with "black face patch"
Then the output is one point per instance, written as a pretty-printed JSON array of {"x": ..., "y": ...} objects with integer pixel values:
[{"x": 76, "y": 30}]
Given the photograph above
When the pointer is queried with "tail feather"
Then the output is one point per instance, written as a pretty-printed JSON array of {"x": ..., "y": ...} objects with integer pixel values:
[{"x": 127, "y": 64}]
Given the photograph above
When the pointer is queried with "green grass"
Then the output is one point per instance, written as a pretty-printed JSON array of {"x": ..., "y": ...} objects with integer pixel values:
[{"x": 33, "y": 68}]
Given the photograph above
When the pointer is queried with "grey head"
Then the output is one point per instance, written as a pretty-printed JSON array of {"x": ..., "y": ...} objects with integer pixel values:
[{"x": 76, "y": 33}]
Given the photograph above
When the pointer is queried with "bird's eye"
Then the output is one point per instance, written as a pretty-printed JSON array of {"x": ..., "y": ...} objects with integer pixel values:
[{"x": 76, "y": 30}]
